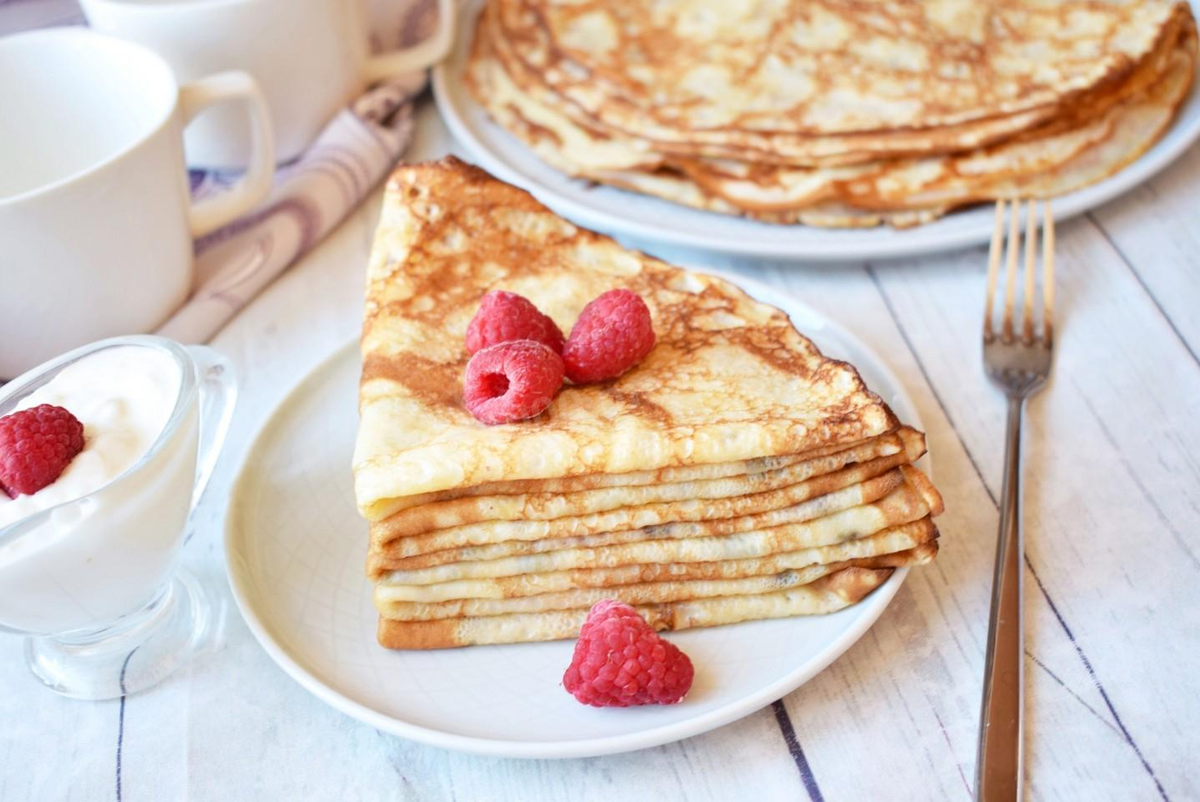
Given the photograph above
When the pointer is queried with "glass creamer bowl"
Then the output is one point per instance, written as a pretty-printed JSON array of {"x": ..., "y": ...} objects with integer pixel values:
[{"x": 95, "y": 582}]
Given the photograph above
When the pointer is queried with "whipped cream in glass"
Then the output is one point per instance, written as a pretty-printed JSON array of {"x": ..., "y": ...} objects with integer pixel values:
[
  {"x": 103, "y": 546},
  {"x": 89, "y": 565}
]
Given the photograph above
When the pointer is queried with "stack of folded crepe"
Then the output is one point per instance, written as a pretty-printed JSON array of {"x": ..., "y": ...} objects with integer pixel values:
[
  {"x": 736, "y": 473},
  {"x": 835, "y": 113}
]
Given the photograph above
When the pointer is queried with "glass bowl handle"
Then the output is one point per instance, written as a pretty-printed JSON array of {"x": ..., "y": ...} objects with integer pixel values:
[{"x": 218, "y": 397}]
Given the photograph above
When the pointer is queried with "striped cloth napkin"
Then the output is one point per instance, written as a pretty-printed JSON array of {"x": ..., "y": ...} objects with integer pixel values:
[{"x": 312, "y": 194}]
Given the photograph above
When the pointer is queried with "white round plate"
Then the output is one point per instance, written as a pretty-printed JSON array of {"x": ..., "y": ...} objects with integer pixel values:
[
  {"x": 295, "y": 548},
  {"x": 619, "y": 212}
]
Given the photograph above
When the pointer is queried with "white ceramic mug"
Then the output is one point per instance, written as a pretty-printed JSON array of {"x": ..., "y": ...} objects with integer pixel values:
[
  {"x": 311, "y": 58},
  {"x": 96, "y": 222}
]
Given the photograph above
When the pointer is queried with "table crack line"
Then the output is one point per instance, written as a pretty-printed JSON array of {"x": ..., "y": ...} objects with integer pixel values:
[
  {"x": 1078, "y": 698},
  {"x": 962, "y": 775}
]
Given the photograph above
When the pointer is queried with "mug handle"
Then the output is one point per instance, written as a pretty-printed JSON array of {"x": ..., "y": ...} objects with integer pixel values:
[
  {"x": 254, "y": 185},
  {"x": 218, "y": 398},
  {"x": 418, "y": 57}
]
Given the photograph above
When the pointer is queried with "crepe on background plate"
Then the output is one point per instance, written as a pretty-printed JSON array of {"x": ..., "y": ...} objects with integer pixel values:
[
  {"x": 735, "y": 473},
  {"x": 835, "y": 114}
]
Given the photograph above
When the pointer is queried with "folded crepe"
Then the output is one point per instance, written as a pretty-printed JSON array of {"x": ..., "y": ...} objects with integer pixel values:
[
  {"x": 914, "y": 498},
  {"x": 828, "y": 594},
  {"x": 650, "y": 592},
  {"x": 874, "y": 447},
  {"x": 865, "y": 492},
  {"x": 727, "y": 561},
  {"x": 783, "y": 502},
  {"x": 544, "y": 505},
  {"x": 729, "y": 379},
  {"x": 735, "y": 473}
]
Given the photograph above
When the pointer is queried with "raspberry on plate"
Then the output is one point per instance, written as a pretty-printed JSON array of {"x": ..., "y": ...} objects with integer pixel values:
[
  {"x": 613, "y": 333},
  {"x": 511, "y": 381},
  {"x": 506, "y": 316},
  {"x": 36, "y": 445},
  {"x": 621, "y": 661}
]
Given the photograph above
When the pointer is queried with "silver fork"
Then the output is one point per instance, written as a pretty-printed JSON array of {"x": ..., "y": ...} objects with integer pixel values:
[{"x": 1018, "y": 362}]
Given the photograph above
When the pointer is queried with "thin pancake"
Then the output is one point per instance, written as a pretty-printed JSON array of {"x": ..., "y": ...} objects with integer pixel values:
[
  {"x": 913, "y": 499},
  {"x": 900, "y": 69},
  {"x": 784, "y": 502},
  {"x": 508, "y": 89},
  {"x": 642, "y": 593},
  {"x": 1136, "y": 130},
  {"x": 898, "y": 192},
  {"x": 729, "y": 379},
  {"x": 517, "y": 36},
  {"x": 883, "y": 445},
  {"x": 826, "y": 595},
  {"x": 871, "y": 490},
  {"x": 897, "y": 538},
  {"x": 982, "y": 174},
  {"x": 546, "y": 506}
]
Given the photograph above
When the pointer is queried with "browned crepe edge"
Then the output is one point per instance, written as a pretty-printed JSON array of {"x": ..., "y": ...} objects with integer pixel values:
[
  {"x": 916, "y": 527},
  {"x": 849, "y": 585},
  {"x": 1071, "y": 102},
  {"x": 467, "y": 510},
  {"x": 381, "y": 556},
  {"x": 660, "y": 591},
  {"x": 595, "y": 481},
  {"x": 873, "y": 490}
]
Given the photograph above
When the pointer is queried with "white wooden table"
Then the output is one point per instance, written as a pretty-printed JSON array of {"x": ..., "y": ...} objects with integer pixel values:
[{"x": 1113, "y": 563}]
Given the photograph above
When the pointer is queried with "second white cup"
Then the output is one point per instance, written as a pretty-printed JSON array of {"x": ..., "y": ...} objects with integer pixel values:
[{"x": 311, "y": 58}]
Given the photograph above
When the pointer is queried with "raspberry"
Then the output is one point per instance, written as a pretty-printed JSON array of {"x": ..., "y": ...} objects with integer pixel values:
[
  {"x": 613, "y": 333},
  {"x": 505, "y": 316},
  {"x": 621, "y": 661},
  {"x": 36, "y": 444},
  {"x": 511, "y": 381}
]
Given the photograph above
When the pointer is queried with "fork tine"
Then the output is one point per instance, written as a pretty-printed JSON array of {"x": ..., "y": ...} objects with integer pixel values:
[
  {"x": 994, "y": 252},
  {"x": 1048, "y": 275},
  {"x": 1031, "y": 237},
  {"x": 1010, "y": 268}
]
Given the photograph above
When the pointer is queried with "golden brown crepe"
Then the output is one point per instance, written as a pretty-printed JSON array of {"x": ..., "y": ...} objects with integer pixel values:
[
  {"x": 1055, "y": 123},
  {"x": 729, "y": 379},
  {"x": 828, "y": 594},
  {"x": 735, "y": 473}
]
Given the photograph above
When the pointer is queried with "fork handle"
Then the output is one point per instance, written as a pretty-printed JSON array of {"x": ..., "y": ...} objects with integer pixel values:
[{"x": 999, "y": 765}]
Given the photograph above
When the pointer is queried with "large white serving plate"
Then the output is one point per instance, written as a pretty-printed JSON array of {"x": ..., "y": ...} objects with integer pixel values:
[
  {"x": 295, "y": 548},
  {"x": 619, "y": 212}
]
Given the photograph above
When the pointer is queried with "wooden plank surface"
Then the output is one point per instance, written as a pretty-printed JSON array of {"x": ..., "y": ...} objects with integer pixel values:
[{"x": 1113, "y": 496}]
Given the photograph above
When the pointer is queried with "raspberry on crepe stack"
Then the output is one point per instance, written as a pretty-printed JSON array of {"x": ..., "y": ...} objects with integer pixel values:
[{"x": 704, "y": 464}]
